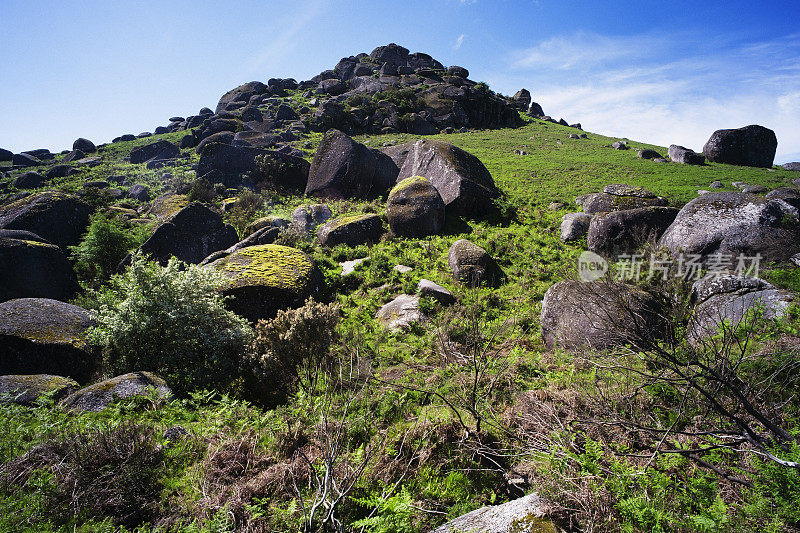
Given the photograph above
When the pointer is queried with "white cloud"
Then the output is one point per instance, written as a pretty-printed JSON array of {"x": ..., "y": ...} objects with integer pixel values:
[
  {"x": 459, "y": 42},
  {"x": 677, "y": 90}
]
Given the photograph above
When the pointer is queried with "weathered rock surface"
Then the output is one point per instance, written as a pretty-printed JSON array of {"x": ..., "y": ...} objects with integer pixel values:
[
  {"x": 429, "y": 289},
  {"x": 29, "y": 180},
  {"x": 84, "y": 145},
  {"x": 191, "y": 235},
  {"x": 795, "y": 165},
  {"x": 619, "y": 197},
  {"x": 790, "y": 195},
  {"x": 401, "y": 313},
  {"x": 351, "y": 230},
  {"x": 60, "y": 218},
  {"x": 343, "y": 168},
  {"x": 752, "y": 146},
  {"x": 648, "y": 153},
  {"x": 680, "y": 154},
  {"x": 306, "y": 218},
  {"x": 574, "y": 226},
  {"x": 463, "y": 182},
  {"x": 266, "y": 278},
  {"x": 523, "y": 515},
  {"x": 100, "y": 395},
  {"x": 472, "y": 265},
  {"x": 43, "y": 336},
  {"x": 415, "y": 208},
  {"x": 620, "y": 232},
  {"x": 27, "y": 389},
  {"x": 158, "y": 151},
  {"x": 33, "y": 269},
  {"x": 597, "y": 315},
  {"x": 729, "y": 299},
  {"x": 732, "y": 223}
]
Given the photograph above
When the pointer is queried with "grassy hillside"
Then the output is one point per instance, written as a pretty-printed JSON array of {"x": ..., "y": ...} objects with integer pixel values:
[{"x": 432, "y": 446}]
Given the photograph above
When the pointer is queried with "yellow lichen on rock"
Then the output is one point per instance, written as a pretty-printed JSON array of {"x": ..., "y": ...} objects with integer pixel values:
[{"x": 269, "y": 265}]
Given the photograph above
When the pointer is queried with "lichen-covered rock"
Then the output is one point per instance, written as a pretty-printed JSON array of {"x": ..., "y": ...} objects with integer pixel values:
[
  {"x": 27, "y": 389},
  {"x": 731, "y": 223},
  {"x": 415, "y": 208},
  {"x": 619, "y": 197},
  {"x": 401, "y": 313},
  {"x": 523, "y": 515},
  {"x": 191, "y": 235},
  {"x": 728, "y": 299},
  {"x": 43, "y": 336},
  {"x": 472, "y": 265},
  {"x": 620, "y": 232},
  {"x": 574, "y": 226},
  {"x": 598, "y": 315},
  {"x": 351, "y": 230},
  {"x": 790, "y": 195},
  {"x": 752, "y": 146},
  {"x": 263, "y": 279},
  {"x": 166, "y": 205},
  {"x": 33, "y": 269},
  {"x": 464, "y": 183},
  {"x": 100, "y": 395},
  {"x": 681, "y": 154},
  {"x": 60, "y": 218}
]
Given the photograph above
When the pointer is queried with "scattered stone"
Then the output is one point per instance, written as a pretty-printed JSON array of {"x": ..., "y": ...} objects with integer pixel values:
[
  {"x": 618, "y": 197},
  {"x": 786, "y": 166},
  {"x": 472, "y": 265},
  {"x": 403, "y": 269},
  {"x": 401, "y": 313},
  {"x": 27, "y": 389},
  {"x": 25, "y": 160},
  {"x": 351, "y": 230},
  {"x": 680, "y": 154},
  {"x": 348, "y": 267},
  {"x": 790, "y": 195},
  {"x": 523, "y": 514},
  {"x": 99, "y": 396},
  {"x": 717, "y": 184},
  {"x": 557, "y": 206},
  {"x": 267, "y": 278},
  {"x": 139, "y": 193},
  {"x": 574, "y": 226},
  {"x": 43, "y": 336},
  {"x": 266, "y": 222},
  {"x": 620, "y": 232},
  {"x": 647, "y": 153},
  {"x": 755, "y": 189},
  {"x": 428, "y": 289},
  {"x": 752, "y": 146},
  {"x": 158, "y": 151},
  {"x": 6, "y": 155},
  {"x": 620, "y": 145},
  {"x": 597, "y": 315}
]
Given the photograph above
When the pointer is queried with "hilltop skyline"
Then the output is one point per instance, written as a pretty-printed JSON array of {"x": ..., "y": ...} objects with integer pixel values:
[{"x": 649, "y": 75}]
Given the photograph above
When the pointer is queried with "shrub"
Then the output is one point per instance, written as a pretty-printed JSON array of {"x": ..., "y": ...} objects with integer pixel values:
[
  {"x": 113, "y": 472},
  {"x": 170, "y": 320},
  {"x": 202, "y": 190},
  {"x": 291, "y": 349},
  {"x": 105, "y": 244},
  {"x": 244, "y": 210}
]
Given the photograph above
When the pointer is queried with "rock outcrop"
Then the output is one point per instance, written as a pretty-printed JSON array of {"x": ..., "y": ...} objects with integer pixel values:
[
  {"x": 99, "y": 396},
  {"x": 752, "y": 146},
  {"x": 59, "y": 218},
  {"x": 34, "y": 269}
]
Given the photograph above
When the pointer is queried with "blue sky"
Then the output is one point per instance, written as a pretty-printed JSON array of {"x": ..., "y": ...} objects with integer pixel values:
[{"x": 652, "y": 71}]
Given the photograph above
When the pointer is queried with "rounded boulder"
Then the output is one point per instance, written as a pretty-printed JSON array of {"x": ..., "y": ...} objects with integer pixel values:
[{"x": 415, "y": 208}]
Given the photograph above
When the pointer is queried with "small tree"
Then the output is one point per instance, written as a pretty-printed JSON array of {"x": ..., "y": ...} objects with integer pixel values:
[
  {"x": 106, "y": 243},
  {"x": 171, "y": 320}
]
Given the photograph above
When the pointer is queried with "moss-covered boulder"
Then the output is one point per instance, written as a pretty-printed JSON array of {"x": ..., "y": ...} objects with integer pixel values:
[
  {"x": 263, "y": 279},
  {"x": 43, "y": 336},
  {"x": 464, "y": 183},
  {"x": 620, "y": 197},
  {"x": 100, "y": 395},
  {"x": 415, "y": 208},
  {"x": 34, "y": 269},
  {"x": 57, "y": 217},
  {"x": 167, "y": 205},
  {"x": 26, "y": 389},
  {"x": 351, "y": 230}
]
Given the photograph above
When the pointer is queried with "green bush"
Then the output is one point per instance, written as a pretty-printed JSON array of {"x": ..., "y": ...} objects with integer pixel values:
[
  {"x": 170, "y": 320},
  {"x": 106, "y": 243}
]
